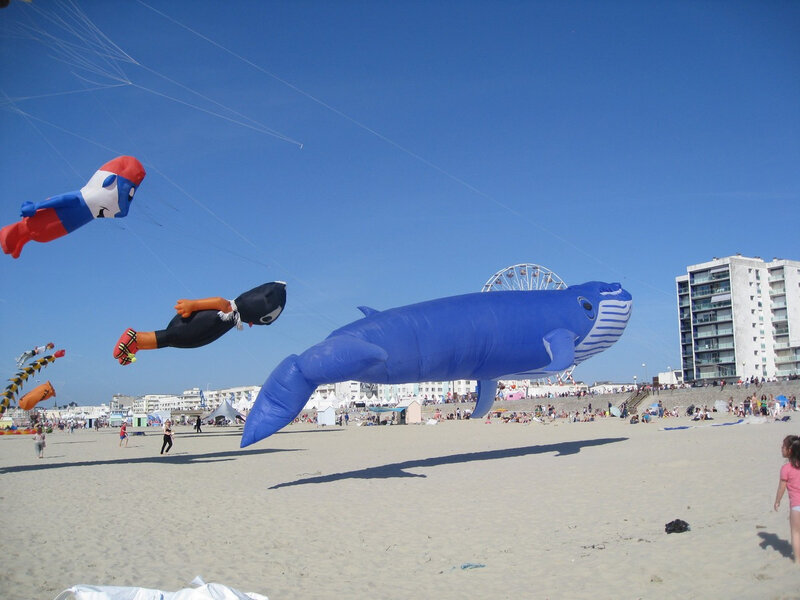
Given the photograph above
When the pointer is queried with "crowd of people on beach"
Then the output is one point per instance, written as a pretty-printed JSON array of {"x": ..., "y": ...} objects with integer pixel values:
[{"x": 765, "y": 405}]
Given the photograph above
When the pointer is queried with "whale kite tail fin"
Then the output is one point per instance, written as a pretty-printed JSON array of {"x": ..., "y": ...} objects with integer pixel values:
[{"x": 281, "y": 399}]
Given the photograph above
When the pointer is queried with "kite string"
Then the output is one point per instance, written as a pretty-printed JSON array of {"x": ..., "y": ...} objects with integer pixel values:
[
  {"x": 396, "y": 145},
  {"x": 31, "y": 118},
  {"x": 91, "y": 40}
]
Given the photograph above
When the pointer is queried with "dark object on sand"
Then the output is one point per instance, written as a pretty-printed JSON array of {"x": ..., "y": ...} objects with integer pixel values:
[{"x": 676, "y": 526}]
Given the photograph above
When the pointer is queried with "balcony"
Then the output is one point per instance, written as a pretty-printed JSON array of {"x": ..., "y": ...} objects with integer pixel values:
[
  {"x": 780, "y": 331},
  {"x": 704, "y": 277},
  {"x": 711, "y": 318},
  {"x": 708, "y": 305},
  {"x": 704, "y": 291},
  {"x": 717, "y": 373},
  {"x": 773, "y": 293},
  {"x": 717, "y": 333},
  {"x": 714, "y": 360},
  {"x": 786, "y": 360},
  {"x": 713, "y": 346}
]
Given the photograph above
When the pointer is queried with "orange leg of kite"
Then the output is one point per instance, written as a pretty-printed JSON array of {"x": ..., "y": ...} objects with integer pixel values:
[{"x": 130, "y": 342}]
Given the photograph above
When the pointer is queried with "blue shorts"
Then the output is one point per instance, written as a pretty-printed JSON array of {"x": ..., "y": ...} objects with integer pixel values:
[{"x": 797, "y": 508}]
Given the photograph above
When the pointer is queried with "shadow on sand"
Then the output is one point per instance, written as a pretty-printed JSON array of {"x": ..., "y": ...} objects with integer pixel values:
[
  {"x": 771, "y": 540},
  {"x": 175, "y": 459},
  {"x": 238, "y": 432},
  {"x": 400, "y": 469}
]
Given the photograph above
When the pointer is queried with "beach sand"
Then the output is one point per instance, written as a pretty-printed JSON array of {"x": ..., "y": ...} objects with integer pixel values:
[{"x": 462, "y": 509}]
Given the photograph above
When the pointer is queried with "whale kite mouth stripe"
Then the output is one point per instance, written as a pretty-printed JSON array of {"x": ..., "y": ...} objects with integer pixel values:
[{"x": 612, "y": 318}]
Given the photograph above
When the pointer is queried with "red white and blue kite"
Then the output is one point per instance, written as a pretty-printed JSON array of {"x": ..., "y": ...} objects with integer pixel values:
[{"x": 108, "y": 193}]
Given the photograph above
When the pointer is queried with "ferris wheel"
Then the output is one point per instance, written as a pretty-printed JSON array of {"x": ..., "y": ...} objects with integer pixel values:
[
  {"x": 529, "y": 276},
  {"x": 525, "y": 276}
]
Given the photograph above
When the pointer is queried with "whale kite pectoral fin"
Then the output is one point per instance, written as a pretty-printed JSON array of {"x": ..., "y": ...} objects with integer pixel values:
[
  {"x": 487, "y": 389},
  {"x": 560, "y": 345},
  {"x": 367, "y": 310}
]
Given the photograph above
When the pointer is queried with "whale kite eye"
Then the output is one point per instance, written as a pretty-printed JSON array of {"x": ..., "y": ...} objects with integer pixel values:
[
  {"x": 587, "y": 306},
  {"x": 130, "y": 194},
  {"x": 109, "y": 181}
]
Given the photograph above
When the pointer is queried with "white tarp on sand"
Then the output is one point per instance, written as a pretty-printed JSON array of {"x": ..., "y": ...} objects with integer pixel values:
[{"x": 209, "y": 591}]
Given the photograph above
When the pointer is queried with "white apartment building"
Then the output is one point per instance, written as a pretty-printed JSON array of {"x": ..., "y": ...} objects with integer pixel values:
[
  {"x": 352, "y": 391},
  {"x": 241, "y": 396},
  {"x": 739, "y": 318}
]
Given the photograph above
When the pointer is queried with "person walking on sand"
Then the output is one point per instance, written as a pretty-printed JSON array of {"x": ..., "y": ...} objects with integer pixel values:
[
  {"x": 790, "y": 480},
  {"x": 197, "y": 425},
  {"x": 123, "y": 434},
  {"x": 167, "y": 436},
  {"x": 39, "y": 441}
]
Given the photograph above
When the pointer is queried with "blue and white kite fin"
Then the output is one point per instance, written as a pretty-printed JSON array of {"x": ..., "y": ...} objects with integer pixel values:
[
  {"x": 560, "y": 345},
  {"x": 487, "y": 389}
]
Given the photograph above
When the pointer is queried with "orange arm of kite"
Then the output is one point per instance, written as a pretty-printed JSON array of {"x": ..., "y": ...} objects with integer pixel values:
[{"x": 186, "y": 307}]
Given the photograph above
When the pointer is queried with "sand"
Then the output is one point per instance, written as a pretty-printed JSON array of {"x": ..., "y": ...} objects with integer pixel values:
[{"x": 461, "y": 509}]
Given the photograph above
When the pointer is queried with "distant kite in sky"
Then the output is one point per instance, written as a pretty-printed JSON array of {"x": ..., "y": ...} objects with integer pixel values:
[
  {"x": 200, "y": 322},
  {"x": 22, "y": 376},
  {"x": 505, "y": 334},
  {"x": 108, "y": 193},
  {"x": 28, "y": 354}
]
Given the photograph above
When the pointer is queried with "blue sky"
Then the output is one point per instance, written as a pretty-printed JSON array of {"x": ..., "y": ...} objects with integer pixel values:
[{"x": 441, "y": 142}]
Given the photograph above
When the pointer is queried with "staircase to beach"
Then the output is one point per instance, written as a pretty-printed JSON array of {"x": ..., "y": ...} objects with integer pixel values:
[{"x": 636, "y": 399}]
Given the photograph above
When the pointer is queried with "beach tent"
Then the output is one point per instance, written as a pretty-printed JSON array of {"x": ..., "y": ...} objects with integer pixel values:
[
  {"x": 326, "y": 415},
  {"x": 387, "y": 409},
  {"x": 332, "y": 400},
  {"x": 161, "y": 416},
  {"x": 782, "y": 400},
  {"x": 224, "y": 411},
  {"x": 314, "y": 402}
]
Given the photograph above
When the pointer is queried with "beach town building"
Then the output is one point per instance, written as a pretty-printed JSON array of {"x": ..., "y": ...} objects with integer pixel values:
[
  {"x": 240, "y": 397},
  {"x": 739, "y": 318},
  {"x": 341, "y": 395}
]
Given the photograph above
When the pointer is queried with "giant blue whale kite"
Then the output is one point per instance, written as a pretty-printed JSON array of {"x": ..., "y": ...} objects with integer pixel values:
[{"x": 478, "y": 336}]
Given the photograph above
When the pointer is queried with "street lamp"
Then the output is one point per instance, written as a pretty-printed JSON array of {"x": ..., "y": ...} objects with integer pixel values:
[
  {"x": 634, "y": 382},
  {"x": 644, "y": 366}
]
